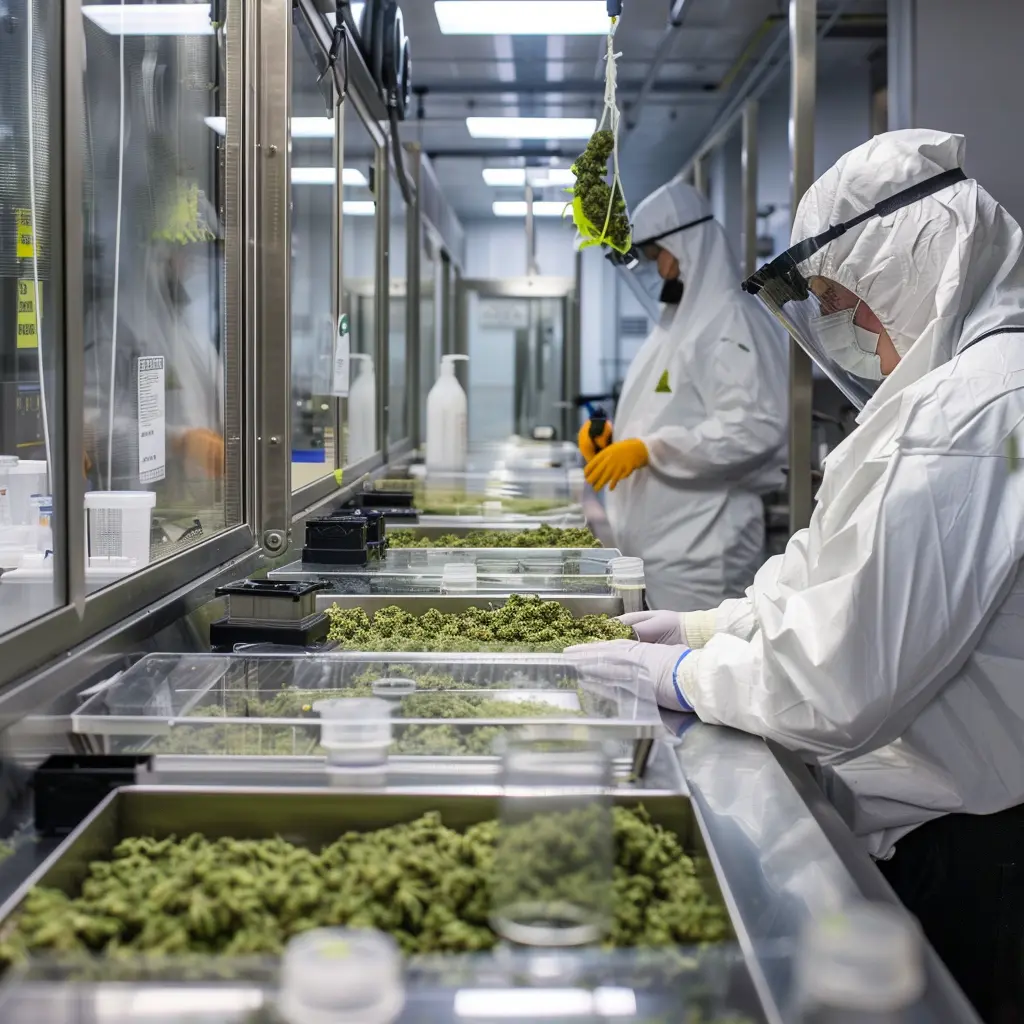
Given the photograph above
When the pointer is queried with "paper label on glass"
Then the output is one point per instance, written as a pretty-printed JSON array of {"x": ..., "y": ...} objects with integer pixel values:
[
  {"x": 26, "y": 240},
  {"x": 28, "y": 322},
  {"x": 342, "y": 358},
  {"x": 152, "y": 420}
]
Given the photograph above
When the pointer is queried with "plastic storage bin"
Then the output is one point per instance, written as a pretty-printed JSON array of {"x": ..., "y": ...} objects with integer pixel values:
[
  {"x": 119, "y": 523},
  {"x": 28, "y": 477}
]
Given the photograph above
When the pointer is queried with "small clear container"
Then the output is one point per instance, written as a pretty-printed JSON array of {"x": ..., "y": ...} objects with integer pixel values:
[
  {"x": 627, "y": 579},
  {"x": 552, "y": 882},
  {"x": 861, "y": 964},
  {"x": 393, "y": 687},
  {"x": 341, "y": 976},
  {"x": 355, "y": 731},
  {"x": 459, "y": 578},
  {"x": 7, "y": 464}
]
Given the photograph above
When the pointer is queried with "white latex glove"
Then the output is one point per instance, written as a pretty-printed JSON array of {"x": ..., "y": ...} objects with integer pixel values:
[
  {"x": 628, "y": 663},
  {"x": 656, "y": 627}
]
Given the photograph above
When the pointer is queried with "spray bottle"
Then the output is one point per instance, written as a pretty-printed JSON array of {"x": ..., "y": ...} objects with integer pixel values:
[
  {"x": 447, "y": 439},
  {"x": 362, "y": 410}
]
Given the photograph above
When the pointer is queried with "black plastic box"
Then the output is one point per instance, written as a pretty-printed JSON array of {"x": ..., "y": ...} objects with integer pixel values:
[{"x": 68, "y": 786}]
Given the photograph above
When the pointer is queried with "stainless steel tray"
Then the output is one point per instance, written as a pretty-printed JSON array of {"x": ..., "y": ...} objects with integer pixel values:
[{"x": 306, "y": 817}]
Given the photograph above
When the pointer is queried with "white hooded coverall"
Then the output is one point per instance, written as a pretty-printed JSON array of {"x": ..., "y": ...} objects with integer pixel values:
[
  {"x": 717, "y": 438},
  {"x": 886, "y": 640}
]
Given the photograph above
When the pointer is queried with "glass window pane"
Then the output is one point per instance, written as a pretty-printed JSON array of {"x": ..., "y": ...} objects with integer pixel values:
[
  {"x": 313, "y": 189},
  {"x": 429, "y": 327},
  {"x": 157, "y": 398},
  {"x": 359, "y": 263},
  {"x": 31, "y": 346},
  {"x": 398, "y": 335}
]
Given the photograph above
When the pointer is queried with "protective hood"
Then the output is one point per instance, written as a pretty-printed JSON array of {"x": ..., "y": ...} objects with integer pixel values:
[
  {"x": 700, "y": 245},
  {"x": 939, "y": 273}
]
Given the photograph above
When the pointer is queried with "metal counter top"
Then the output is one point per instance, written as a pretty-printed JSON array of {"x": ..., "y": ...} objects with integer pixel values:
[{"x": 783, "y": 857}]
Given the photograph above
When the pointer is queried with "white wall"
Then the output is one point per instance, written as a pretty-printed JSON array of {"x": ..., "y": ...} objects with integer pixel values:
[{"x": 966, "y": 75}]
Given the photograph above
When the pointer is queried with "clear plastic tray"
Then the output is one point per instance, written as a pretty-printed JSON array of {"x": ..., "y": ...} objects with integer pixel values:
[
  {"x": 398, "y": 584},
  {"x": 443, "y": 704}
]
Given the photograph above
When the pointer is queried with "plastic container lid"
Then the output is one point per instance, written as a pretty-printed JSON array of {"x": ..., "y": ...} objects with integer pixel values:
[
  {"x": 8, "y": 461},
  {"x": 355, "y": 731},
  {"x": 865, "y": 958},
  {"x": 341, "y": 976},
  {"x": 393, "y": 687},
  {"x": 27, "y": 466},
  {"x": 120, "y": 499}
]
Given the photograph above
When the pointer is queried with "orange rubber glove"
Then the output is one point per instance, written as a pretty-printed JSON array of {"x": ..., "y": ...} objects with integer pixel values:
[
  {"x": 203, "y": 451},
  {"x": 590, "y": 446},
  {"x": 616, "y": 462}
]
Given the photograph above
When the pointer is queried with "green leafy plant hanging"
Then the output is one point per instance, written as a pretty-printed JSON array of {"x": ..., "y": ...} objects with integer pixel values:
[{"x": 599, "y": 208}]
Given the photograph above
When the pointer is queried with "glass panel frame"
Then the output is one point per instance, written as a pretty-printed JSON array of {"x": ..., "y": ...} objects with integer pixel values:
[{"x": 84, "y": 616}]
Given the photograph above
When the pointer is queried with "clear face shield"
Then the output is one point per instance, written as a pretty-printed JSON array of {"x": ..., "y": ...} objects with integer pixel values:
[
  {"x": 640, "y": 269},
  {"x": 827, "y": 320}
]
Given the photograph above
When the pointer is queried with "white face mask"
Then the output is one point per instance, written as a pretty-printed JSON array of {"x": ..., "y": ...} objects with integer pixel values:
[{"x": 850, "y": 347}]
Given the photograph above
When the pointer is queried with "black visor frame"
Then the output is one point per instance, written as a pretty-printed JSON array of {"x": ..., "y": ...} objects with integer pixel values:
[
  {"x": 633, "y": 256},
  {"x": 782, "y": 281}
]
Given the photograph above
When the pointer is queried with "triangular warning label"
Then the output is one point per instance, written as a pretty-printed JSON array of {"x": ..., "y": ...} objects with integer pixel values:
[{"x": 663, "y": 388}]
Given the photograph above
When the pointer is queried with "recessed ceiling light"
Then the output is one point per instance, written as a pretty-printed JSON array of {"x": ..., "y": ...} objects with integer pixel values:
[
  {"x": 325, "y": 176},
  {"x": 151, "y": 19},
  {"x": 531, "y": 127},
  {"x": 517, "y": 208},
  {"x": 302, "y": 127},
  {"x": 522, "y": 17},
  {"x": 359, "y": 207},
  {"x": 540, "y": 177}
]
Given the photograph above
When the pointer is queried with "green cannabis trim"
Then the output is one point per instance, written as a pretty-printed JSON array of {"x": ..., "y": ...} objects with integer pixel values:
[
  {"x": 543, "y": 537},
  {"x": 592, "y": 195},
  {"x": 521, "y": 622},
  {"x": 427, "y": 885}
]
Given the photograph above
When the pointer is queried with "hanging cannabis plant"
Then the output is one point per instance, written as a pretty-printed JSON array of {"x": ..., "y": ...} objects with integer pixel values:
[{"x": 599, "y": 207}]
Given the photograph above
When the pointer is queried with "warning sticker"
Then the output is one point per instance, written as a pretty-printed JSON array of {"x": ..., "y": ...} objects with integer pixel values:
[
  {"x": 26, "y": 241},
  {"x": 28, "y": 319},
  {"x": 152, "y": 420}
]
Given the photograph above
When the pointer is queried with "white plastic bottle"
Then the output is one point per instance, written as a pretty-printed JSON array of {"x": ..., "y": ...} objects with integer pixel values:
[
  {"x": 447, "y": 429},
  {"x": 362, "y": 410}
]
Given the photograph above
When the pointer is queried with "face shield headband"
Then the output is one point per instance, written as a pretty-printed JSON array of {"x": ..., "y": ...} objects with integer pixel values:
[
  {"x": 784, "y": 289},
  {"x": 635, "y": 255}
]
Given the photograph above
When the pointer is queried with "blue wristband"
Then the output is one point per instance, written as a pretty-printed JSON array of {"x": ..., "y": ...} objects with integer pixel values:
[{"x": 683, "y": 702}]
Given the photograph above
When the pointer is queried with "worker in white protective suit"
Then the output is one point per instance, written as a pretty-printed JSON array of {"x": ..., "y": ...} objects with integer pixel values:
[
  {"x": 700, "y": 428},
  {"x": 886, "y": 642}
]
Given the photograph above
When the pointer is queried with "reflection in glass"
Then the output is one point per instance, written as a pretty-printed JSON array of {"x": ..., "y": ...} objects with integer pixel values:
[
  {"x": 359, "y": 263},
  {"x": 155, "y": 343},
  {"x": 31, "y": 349},
  {"x": 313, "y": 193},
  {"x": 398, "y": 334},
  {"x": 430, "y": 357}
]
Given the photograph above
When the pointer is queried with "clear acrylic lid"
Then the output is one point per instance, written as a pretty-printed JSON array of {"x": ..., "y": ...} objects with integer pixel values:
[{"x": 446, "y": 704}]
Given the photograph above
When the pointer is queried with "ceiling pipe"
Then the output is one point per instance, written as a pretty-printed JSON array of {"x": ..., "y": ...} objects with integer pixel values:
[
  {"x": 584, "y": 87},
  {"x": 751, "y": 89},
  {"x": 661, "y": 52}
]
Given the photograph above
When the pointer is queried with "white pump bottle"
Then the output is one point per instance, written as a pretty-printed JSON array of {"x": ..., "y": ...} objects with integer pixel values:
[
  {"x": 362, "y": 410},
  {"x": 447, "y": 429}
]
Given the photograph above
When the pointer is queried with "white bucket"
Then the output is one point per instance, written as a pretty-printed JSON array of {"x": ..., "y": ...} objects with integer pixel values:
[{"x": 118, "y": 524}]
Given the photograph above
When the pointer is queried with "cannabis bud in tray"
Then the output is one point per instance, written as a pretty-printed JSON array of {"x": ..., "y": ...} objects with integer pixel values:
[
  {"x": 521, "y": 622},
  {"x": 427, "y": 885},
  {"x": 543, "y": 537}
]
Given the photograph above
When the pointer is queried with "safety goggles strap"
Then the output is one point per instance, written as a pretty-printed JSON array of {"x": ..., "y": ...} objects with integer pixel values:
[{"x": 802, "y": 251}]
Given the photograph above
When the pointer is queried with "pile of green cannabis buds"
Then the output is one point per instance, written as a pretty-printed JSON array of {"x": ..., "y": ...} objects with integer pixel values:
[
  {"x": 521, "y": 622},
  {"x": 594, "y": 192},
  {"x": 427, "y": 885},
  {"x": 543, "y": 537}
]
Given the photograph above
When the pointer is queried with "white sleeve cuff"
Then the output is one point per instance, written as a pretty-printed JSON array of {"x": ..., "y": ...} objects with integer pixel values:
[
  {"x": 697, "y": 628},
  {"x": 685, "y": 680}
]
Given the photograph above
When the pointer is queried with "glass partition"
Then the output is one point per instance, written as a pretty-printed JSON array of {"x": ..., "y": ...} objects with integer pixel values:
[
  {"x": 430, "y": 314},
  {"x": 313, "y": 198},
  {"x": 359, "y": 413},
  {"x": 398, "y": 331},
  {"x": 156, "y": 394},
  {"x": 31, "y": 342}
]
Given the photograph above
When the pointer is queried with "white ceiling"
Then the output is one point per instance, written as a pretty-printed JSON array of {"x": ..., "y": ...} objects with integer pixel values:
[{"x": 541, "y": 75}]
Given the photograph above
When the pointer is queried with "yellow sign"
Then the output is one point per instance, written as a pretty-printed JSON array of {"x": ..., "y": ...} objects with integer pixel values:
[
  {"x": 28, "y": 322},
  {"x": 26, "y": 242}
]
